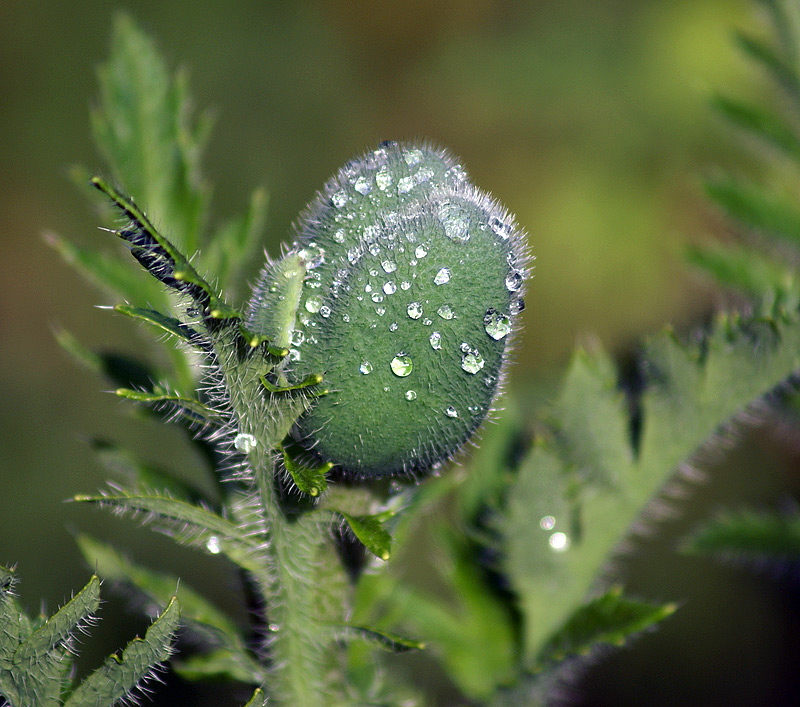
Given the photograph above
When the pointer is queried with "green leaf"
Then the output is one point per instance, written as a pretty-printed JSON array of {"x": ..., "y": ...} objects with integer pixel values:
[
  {"x": 160, "y": 321},
  {"x": 387, "y": 641},
  {"x": 58, "y": 628},
  {"x": 370, "y": 532},
  {"x": 610, "y": 618},
  {"x": 109, "y": 272},
  {"x": 190, "y": 406},
  {"x": 144, "y": 129},
  {"x": 120, "y": 674},
  {"x": 764, "y": 125},
  {"x": 744, "y": 269},
  {"x": 221, "y": 663},
  {"x": 749, "y": 535},
  {"x": 308, "y": 476},
  {"x": 757, "y": 207},
  {"x": 187, "y": 523}
]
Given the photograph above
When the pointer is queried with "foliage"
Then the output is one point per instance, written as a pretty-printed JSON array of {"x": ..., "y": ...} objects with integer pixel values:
[{"x": 522, "y": 537}]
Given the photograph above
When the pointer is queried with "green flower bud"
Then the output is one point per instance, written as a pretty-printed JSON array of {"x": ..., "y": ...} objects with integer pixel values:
[{"x": 412, "y": 286}]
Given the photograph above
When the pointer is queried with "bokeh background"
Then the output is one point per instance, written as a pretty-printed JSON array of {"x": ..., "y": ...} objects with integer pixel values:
[{"x": 588, "y": 118}]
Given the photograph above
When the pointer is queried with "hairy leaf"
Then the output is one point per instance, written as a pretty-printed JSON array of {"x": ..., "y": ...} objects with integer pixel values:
[{"x": 120, "y": 674}]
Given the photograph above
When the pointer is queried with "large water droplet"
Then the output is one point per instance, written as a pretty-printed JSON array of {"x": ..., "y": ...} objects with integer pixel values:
[
  {"x": 405, "y": 185},
  {"x": 412, "y": 157},
  {"x": 503, "y": 230},
  {"x": 389, "y": 287},
  {"x": 514, "y": 280},
  {"x": 376, "y": 297},
  {"x": 410, "y": 395},
  {"x": 245, "y": 443},
  {"x": 362, "y": 186},
  {"x": 420, "y": 251},
  {"x": 297, "y": 337},
  {"x": 472, "y": 362},
  {"x": 446, "y": 312},
  {"x": 401, "y": 365},
  {"x": 339, "y": 199},
  {"x": 559, "y": 542},
  {"x": 496, "y": 324},
  {"x": 388, "y": 266},
  {"x": 365, "y": 367},
  {"x": 325, "y": 311},
  {"x": 313, "y": 255},
  {"x": 442, "y": 277},
  {"x": 313, "y": 304},
  {"x": 516, "y": 305},
  {"x": 436, "y": 340},
  {"x": 383, "y": 178},
  {"x": 455, "y": 220},
  {"x": 450, "y": 411},
  {"x": 414, "y": 310}
]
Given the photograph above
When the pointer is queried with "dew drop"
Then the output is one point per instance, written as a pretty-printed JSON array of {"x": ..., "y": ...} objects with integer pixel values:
[
  {"x": 472, "y": 362},
  {"x": 412, "y": 157},
  {"x": 362, "y": 186},
  {"x": 297, "y": 337},
  {"x": 213, "y": 546},
  {"x": 353, "y": 255},
  {"x": 410, "y": 395},
  {"x": 380, "y": 311},
  {"x": 414, "y": 310},
  {"x": 516, "y": 306},
  {"x": 245, "y": 443},
  {"x": 388, "y": 266},
  {"x": 376, "y": 297},
  {"x": 547, "y": 522},
  {"x": 313, "y": 304},
  {"x": 393, "y": 326},
  {"x": 499, "y": 228},
  {"x": 339, "y": 199},
  {"x": 442, "y": 277},
  {"x": 339, "y": 235},
  {"x": 489, "y": 381},
  {"x": 450, "y": 411},
  {"x": 455, "y": 221},
  {"x": 405, "y": 185},
  {"x": 423, "y": 175},
  {"x": 427, "y": 321},
  {"x": 497, "y": 325},
  {"x": 559, "y": 542},
  {"x": 514, "y": 280},
  {"x": 465, "y": 347},
  {"x": 365, "y": 367},
  {"x": 325, "y": 311},
  {"x": 436, "y": 340},
  {"x": 405, "y": 285},
  {"x": 401, "y": 365},
  {"x": 374, "y": 249},
  {"x": 420, "y": 251},
  {"x": 446, "y": 312},
  {"x": 346, "y": 318},
  {"x": 389, "y": 287},
  {"x": 383, "y": 179}
]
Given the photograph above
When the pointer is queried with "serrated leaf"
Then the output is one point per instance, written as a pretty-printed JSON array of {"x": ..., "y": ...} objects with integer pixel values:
[
  {"x": 763, "y": 124},
  {"x": 370, "y": 532},
  {"x": 388, "y": 641},
  {"x": 749, "y": 535},
  {"x": 610, "y": 619},
  {"x": 757, "y": 207},
  {"x": 145, "y": 130},
  {"x": 185, "y": 522},
  {"x": 160, "y": 321},
  {"x": 59, "y": 627},
  {"x": 120, "y": 674}
]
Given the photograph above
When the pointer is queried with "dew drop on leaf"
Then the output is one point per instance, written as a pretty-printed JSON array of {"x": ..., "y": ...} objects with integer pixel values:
[
  {"x": 436, "y": 340},
  {"x": 442, "y": 277},
  {"x": 365, "y": 367},
  {"x": 401, "y": 365},
  {"x": 410, "y": 395},
  {"x": 496, "y": 324},
  {"x": 455, "y": 220},
  {"x": 450, "y": 411},
  {"x": 446, "y": 312},
  {"x": 245, "y": 443},
  {"x": 414, "y": 310}
]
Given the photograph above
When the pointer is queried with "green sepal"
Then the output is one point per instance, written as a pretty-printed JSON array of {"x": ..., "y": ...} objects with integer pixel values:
[
  {"x": 57, "y": 629},
  {"x": 186, "y": 523},
  {"x": 610, "y": 619},
  {"x": 221, "y": 663},
  {"x": 370, "y": 532},
  {"x": 388, "y": 641},
  {"x": 161, "y": 321},
  {"x": 147, "y": 244},
  {"x": 120, "y": 674},
  {"x": 308, "y": 382},
  {"x": 748, "y": 535},
  {"x": 308, "y": 477},
  {"x": 191, "y": 406},
  {"x": 255, "y": 340}
]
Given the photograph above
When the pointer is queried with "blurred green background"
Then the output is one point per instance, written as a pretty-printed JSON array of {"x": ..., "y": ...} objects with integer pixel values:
[{"x": 589, "y": 120}]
